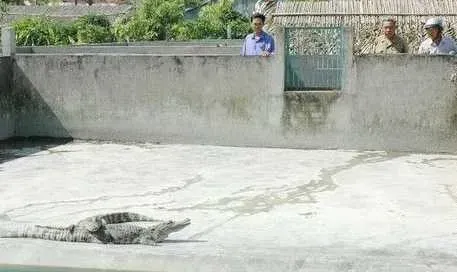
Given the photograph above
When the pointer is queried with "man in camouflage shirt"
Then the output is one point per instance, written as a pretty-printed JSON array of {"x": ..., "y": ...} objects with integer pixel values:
[{"x": 389, "y": 42}]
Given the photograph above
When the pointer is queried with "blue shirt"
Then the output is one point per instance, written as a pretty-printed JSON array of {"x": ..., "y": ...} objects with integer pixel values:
[{"x": 254, "y": 45}]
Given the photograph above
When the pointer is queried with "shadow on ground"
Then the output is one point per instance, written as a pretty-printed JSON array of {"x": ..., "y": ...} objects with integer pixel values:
[
  {"x": 178, "y": 241},
  {"x": 31, "y": 113},
  {"x": 18, "y": 147}
]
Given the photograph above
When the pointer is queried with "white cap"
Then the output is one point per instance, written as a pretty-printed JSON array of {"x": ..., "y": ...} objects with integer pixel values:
[{"x": 434, "y": 22}]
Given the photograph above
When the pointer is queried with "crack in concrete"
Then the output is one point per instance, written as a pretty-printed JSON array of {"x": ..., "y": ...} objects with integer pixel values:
[
  {"x": 250, "y": 205},
  {"x": 410, "y": 241},
  {"x": 213, "y": 227},
  {"x": 300, "y": 194},
  {"x": 449, "y": 192},
  {"x": 430, "y": 162},
  {"x": 41, "y": 206}
]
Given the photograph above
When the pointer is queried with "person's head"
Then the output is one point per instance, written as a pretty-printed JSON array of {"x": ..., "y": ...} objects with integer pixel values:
[
  {"x": 434, "y": 28},
  {"x": 388, "y": 27},
  {"x": 257, "y": 22}
]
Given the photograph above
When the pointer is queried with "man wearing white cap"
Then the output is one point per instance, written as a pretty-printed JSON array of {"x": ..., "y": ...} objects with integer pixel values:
[{"x": 436, "y": 43}]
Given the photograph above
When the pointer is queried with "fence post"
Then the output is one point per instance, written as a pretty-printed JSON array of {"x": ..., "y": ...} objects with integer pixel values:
[
  {"x": 349, "y": 70},
  {"x": 280, "y": 56},
  {"x": 8, "y": 42},
  {"x": 229, "y": 32}
]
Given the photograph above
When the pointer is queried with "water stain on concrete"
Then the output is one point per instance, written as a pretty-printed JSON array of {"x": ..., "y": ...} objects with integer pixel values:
[
  {"x": 237, "y": 107},
  {"x": 276, "y": 196},
  {"x": 179, "y": 65},
  {"x": 307, "y": 110},
  {"x": 432, "y": 162},
  {"x": 308, "y": 214},
  {"x": 451, "y": 191},
  {"x": 453, "y": 108}
]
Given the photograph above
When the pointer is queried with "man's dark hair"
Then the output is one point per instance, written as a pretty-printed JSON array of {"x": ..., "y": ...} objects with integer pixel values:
[{"x": 258, "y": 15}]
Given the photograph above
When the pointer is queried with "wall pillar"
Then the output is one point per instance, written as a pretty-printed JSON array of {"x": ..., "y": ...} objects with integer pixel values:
[{"x": 8, "y": 42}]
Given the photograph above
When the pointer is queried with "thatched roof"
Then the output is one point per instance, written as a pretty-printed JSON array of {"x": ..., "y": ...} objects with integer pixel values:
[
  {"x": 366, "y": 7},
  {"x": 364, "y": 17}
]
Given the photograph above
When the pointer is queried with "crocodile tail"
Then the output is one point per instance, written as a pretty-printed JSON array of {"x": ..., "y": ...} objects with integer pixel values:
[
  {"x": 43, "y": 232},
  {"x": 20, "y": 231}
]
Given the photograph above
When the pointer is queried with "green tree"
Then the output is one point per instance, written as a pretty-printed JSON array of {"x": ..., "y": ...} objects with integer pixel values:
[
  {"x": 153, "y": 20},
  {"x": 93, "y": 28},
  {"x": 213, "y": 22}
]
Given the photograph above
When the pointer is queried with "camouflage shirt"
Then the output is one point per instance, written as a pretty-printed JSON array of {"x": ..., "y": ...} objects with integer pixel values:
[{"x": 385, "y": 46}]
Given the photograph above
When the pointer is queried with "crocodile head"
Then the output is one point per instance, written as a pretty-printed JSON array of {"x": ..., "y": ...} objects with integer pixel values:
[{"x": 160, "y": 232}]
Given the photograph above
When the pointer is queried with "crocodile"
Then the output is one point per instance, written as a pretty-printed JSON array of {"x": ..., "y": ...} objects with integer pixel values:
[{"x": 112, "y": 228}]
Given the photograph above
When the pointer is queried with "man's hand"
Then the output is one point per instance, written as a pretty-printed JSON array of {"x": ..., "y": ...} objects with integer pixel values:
[{"x": 265, "y": 54}]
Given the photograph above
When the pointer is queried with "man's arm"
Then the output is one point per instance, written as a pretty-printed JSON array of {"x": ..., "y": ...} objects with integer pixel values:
[
  {"x": 454, "y": 48},
  {"x": 270, "y": 48}
]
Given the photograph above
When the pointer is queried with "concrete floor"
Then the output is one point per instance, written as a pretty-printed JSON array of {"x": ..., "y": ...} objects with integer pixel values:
[{"x": 252, "y": 209}]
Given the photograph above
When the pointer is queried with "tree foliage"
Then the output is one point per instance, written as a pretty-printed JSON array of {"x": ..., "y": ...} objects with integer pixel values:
[
  {"x": 152, "y": 20},
  {"x": 93, "y": 29},
  {"x": 213, "y": 22}
]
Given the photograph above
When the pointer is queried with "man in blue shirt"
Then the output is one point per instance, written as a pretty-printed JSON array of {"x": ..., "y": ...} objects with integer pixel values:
[{"x": 258, "y": 43}]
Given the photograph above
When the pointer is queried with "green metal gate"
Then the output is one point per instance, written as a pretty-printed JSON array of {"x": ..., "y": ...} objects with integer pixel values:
[{"x": 314, "y": 58}]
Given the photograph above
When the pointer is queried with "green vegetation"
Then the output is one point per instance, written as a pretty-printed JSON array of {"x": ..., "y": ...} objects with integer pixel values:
[
  {"x": 152, "y": 20},
  {"x": 213, "y": 22},
  {"x": 193, "y": 3},
  {"x": 93, "y": 29},
  {"x": 42, "y": 31}
]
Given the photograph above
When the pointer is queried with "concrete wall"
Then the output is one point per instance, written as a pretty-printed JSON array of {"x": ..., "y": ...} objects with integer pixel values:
[
  {"x": 400, "y": 103},
  {"x": 6, "y": 101},
  {"x": 389, "y": 103},
  {"x": 407, "y": 102},
  {"x": 140, "y": 97}
]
